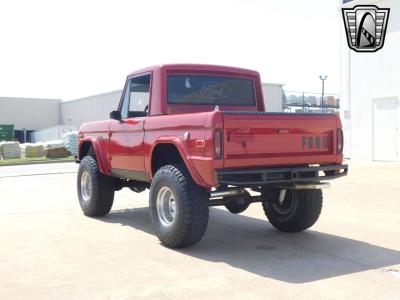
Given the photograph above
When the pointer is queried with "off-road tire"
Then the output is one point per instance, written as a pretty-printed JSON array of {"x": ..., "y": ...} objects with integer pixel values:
[
  {"x": 300, "y": 216},
  {"x": 102, "y": 189},
  {"x": 191, "y": 217}
]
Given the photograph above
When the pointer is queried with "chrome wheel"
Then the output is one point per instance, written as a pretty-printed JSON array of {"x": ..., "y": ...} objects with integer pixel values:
[
  {"x": 166, "y": 206},
  {"x": 86, "y": 186}
]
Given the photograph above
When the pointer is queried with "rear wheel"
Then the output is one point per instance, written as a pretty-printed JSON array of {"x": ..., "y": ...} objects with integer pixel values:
[
  {"x": 178, "y": 207},
  {"x": 299, "y": 210},
  {"x": 95, "y": 190}
]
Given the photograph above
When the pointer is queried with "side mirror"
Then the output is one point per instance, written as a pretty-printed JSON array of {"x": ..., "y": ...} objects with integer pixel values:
[{"x": 115, "y": 115}]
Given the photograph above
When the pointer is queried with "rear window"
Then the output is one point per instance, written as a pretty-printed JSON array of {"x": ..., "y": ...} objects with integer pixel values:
[{"x": 204, "y": 89}]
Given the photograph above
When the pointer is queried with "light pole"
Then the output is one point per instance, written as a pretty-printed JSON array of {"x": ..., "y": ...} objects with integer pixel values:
[{"x": 323, "y": 78}]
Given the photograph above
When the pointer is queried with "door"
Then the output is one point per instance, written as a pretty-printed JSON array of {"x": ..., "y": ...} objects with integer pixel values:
[
  {"x": 385, "y": 122},
  {"x": 126, "y": 136}
]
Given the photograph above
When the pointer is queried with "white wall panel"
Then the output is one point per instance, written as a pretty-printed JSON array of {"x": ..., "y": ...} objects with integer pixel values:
[
  {"x": 94, "y": 108},
  {"x": 31, "y": 114},
  {"x": 368, "y": 76}
]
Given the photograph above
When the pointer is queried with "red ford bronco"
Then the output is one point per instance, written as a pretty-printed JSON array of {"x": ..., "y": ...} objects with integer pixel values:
[{"x": 198, "y": 136}]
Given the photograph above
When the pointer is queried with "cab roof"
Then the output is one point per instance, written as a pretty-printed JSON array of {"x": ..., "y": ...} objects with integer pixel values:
[{"x": 195, "y": 67}]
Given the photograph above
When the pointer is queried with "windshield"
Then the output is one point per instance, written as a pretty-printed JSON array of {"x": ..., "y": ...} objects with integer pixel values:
[{"x": 204, "y": 89}]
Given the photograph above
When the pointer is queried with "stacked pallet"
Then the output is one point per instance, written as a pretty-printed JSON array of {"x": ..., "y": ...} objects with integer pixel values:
[
  {"x": 59, "y": 152},
  {"x": 29, "y": 150},
  {"x": 10, "y": 150},
  {"x": 54, "y": 144},
  {"x": 70, "y": 140}
]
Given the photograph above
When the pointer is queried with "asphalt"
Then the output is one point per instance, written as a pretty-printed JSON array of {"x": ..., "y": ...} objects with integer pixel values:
[{"x": 49, "y": 250}]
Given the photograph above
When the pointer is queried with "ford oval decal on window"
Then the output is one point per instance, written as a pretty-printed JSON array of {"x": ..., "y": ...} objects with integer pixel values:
[{"x": 212, "y": 90}]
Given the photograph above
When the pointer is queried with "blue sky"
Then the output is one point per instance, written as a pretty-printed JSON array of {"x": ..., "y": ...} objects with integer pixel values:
[{"x": 72, "y": 49}]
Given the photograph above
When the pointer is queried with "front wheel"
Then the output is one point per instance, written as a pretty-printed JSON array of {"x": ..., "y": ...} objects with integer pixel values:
[
  {"x": 178, "y": 207},
  {"x": 299, "y": 210},
  {"x": 95, "y": 189}
]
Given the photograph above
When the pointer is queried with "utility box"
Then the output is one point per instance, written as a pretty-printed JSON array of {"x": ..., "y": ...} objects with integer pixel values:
[{"x": 6, "y": 133}]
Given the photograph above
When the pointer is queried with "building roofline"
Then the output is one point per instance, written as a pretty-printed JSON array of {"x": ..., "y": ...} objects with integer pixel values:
[
  {"x": 28, "y": 98},
  {"x": 87, "y": 97}
]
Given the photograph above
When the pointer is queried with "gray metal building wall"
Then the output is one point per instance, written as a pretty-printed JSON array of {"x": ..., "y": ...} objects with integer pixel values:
[
  {"x": 29, "y": 113},
  {"x": 93, "y": 108}
]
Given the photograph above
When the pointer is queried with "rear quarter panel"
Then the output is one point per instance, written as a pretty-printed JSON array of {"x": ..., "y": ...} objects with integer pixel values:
[{"x": 194, "y": 151}]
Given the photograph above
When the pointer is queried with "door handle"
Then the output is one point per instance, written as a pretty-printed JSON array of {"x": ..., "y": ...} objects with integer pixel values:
[{"x": 283, "y": 130}]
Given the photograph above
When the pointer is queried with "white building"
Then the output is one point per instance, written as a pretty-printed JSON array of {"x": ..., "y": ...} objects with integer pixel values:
[
  {"x": 93, "y": 108},
  {"x": 370, "y": 93},
  {"x": 28, "y": 115}
]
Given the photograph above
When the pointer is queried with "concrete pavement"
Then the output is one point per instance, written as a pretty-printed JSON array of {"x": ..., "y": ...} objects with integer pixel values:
[{"x": 49, "y": 250}]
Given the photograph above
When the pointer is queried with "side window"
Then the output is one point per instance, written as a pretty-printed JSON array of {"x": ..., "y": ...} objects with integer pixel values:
[{"x": 139, "y": 93}]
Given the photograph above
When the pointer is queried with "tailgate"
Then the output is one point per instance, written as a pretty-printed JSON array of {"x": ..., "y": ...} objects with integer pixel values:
[{"x": 261, "y": 139}]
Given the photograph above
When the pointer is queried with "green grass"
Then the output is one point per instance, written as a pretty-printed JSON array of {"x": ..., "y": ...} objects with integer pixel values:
[{"x": 35, "y": 160}]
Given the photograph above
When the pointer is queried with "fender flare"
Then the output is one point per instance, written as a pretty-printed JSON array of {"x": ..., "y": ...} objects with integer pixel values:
[
  {"x": 179, "y": 145},
  {"x": 98, "y": 150}
]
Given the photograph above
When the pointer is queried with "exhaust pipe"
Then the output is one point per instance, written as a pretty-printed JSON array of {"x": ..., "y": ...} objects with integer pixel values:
[
  {"x": 226, "y": 193},
  {"x": 305, "y": 186}
]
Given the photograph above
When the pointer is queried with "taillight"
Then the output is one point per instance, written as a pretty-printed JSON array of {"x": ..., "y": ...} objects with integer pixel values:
[
  {"x": 218, "y": 143},
  {"x": 339, "y": 140}
]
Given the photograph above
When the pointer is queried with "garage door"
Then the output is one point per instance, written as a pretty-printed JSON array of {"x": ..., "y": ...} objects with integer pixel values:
[{"x": 385, "y": 129}]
